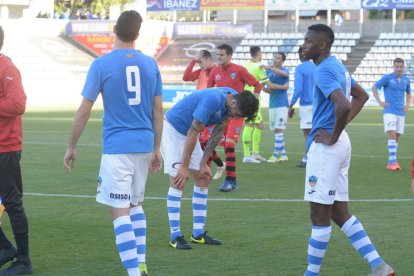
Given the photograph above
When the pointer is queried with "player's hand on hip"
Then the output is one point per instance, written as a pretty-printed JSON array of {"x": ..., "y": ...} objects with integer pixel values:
[
  {"x": 69, "y": 160},
  {"x": 406, "y": 107},
  {"x": 324, "y": 137},
  {"x": 291, "y": 112},
  {"x": 156, "y": 162}
]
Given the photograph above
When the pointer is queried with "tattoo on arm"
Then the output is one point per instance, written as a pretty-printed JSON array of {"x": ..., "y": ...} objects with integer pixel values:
[
  {"x": 196, "y": 126},
  {"x": 215, "y": 138}
]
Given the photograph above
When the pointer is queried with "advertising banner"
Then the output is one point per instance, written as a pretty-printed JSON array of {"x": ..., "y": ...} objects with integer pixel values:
[
  {"x": 284, "y": 5},
  {"x": 173, "y": 5},
  {"x": 232, "y": 4},
  {"x": 211, "y": 29},
  {"x": 387, "y": 4}
]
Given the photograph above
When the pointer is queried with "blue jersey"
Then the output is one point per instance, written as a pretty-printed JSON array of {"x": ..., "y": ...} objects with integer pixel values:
[
  {"x": 329, "y": 76},
  {"x": 394, "y": 90},
  {"x": 207, "y": 106},
  {"x": 279, "y": 97},
  {"x": 128, "y": 81},
  {"x": 303, "y": 84}
]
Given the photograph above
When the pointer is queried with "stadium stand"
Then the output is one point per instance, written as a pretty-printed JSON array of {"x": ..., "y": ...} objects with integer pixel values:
[
  {"x": 379, "y": 59},
  {"x": 53, "y": 70},
  {"x": 289, "y": 44}
]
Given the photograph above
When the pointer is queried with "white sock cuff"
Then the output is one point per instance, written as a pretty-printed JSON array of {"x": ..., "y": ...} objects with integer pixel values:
[
  {"x": 318, "y": 231},
  {"x": 136, "y": 210},
  {"x": 200, "y": 190},
  {"x": 392, "y": 142},
  {"x": 348, "y": 224},
  {"x": 175, "y": 192},
  {"x": 122, "y": 220}
]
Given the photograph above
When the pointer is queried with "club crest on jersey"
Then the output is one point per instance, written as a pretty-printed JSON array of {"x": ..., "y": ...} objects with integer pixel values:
[
  {"x": 129, "y": 55},
  {"x": 232, "y": 76},
  {"x": 312, "y": 181},
  {"x": 237, "y": 129}
]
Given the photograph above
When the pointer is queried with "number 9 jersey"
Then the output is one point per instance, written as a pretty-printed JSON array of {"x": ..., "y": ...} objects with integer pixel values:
[{"x": 128, "y": 81}]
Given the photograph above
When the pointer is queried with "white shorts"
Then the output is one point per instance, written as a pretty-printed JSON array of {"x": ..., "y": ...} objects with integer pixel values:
[
  {"x": 172, "y": 146},
  {"x": 122, "y": 179},
  {"x": 394, "y": 122},
  {"x": 305, "y": 117},
  {"x": 278, "y": 118},
  {"x": 327, "y": 171}
]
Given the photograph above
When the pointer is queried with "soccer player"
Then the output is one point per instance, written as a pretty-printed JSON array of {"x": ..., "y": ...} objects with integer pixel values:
[
  {"x": 228, "y": 74},
  {"x": 278, "y": 105},
  {"x": 205, "y": 60},
  {"x": 131, "y": 89},
  {"x": 252, "y": 131},
  {"x": 329, "y": 155},
  {"x": 12, "y": 107},
  {"x": 303, "y": 89},
  {"x": 395, "y": 85},
  {"x": 183, "y": 156}
]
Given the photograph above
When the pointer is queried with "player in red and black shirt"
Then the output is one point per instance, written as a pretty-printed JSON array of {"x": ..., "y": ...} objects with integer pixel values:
[{"x": 228, "y": 74}]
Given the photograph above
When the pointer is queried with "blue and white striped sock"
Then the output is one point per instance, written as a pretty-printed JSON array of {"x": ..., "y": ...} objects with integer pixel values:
[
  {"x": 392, "y": 151},
  {"x": 279, "y": 145},
  {"x": 139, "y": 224},
  {"x": 356, "y": 234},
  {"x": 199, "y": 210},
  {"x": 318, "y": 243},
  {"x": 174, "y": 207},
  {"x": 126, "y": 244}
]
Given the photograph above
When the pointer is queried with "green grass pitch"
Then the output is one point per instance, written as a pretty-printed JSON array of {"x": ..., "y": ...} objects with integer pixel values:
[{"x": 264, "y": 225}]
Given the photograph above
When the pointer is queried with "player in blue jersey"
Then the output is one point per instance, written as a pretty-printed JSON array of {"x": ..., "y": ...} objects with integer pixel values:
[
  {"x": 278, "y": 105},
  {"x": 303, "y": 89},
  {"x": 396, "y": 85},
  {"x": 184, "y": 158},
  {"x": 131, "y": 89},
  {"x": 329, "y": 155}
]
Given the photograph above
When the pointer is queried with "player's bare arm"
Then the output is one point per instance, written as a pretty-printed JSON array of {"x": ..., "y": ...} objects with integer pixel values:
[
  {"x": 157, "y": 115},
  {"x": 359, "y": 98},
  {"x": 408, "y": 102},
  {"x": 377, "y": 98},
  {"x": 215, "y": 138},
  {"x": 81, "y": 119},
  {"x": 192, "y": 136},
  {"x": 342, "y": 109}
]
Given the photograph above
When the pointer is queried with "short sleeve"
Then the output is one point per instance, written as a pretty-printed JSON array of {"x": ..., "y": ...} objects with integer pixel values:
[
  {"x": 326, "y": 81},
  {"x": 93, "y": 82}
]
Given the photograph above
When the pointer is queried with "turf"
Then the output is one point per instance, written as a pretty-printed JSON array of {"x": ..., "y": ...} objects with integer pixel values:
[{"x": 264, "y": 225}]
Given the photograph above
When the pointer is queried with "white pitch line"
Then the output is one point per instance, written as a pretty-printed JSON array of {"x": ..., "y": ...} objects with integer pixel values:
[{"x": 231, "y": 199}]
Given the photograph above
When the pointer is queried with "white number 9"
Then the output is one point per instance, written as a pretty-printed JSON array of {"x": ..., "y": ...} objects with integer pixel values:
[{"x": 134, "y": 84}]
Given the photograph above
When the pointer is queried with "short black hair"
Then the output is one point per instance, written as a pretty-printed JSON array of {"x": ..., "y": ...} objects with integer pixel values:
[
  {"x": 282, "y": 54},
  {"x": 1, "y": 37},
  {"x": 254, "y": 50},
  {"x": 205, "y": 54},
  {"x": 398, "y": 60},
  {"x": 247, "y": 104},
  {"x": 326, "y": 30},
  {"x": 227, "y": 48},
  {"x": 128, "y": 25}
]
